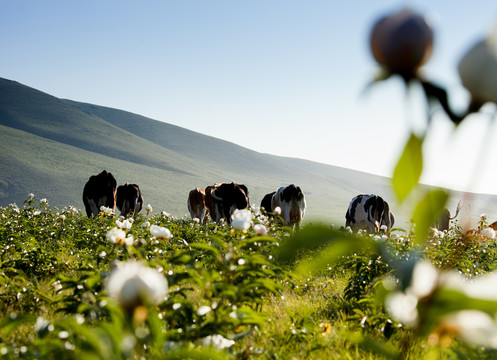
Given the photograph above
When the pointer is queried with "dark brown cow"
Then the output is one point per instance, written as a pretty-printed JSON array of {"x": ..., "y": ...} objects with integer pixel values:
[
  {"x": 100, "y": 190},
  {"x": 222, "y": 199},
  {"x": 267, "y": 201},
  {"x": 291, "y": 200},
  {"x": 196, "y": 205},
  {"x": 129, "y": 199},
  {"x": 443, "y": 220}
]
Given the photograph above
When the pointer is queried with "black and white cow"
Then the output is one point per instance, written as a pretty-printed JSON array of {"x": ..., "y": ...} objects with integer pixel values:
[
  {"x": 100, "y": 190},
  {"x": 369, "y": 212},
  {"x": 222, "y": 199},
  {"x": 129, "y": 199},
  {"x": 291, "y": 200},
  {"x": 266, "y": 202}
]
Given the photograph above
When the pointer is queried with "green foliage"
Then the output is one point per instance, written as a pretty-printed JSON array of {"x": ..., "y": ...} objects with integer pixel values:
[{"x": 409, "y": 168}]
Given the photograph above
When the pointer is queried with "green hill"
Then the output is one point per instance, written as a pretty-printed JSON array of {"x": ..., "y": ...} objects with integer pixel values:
[{"x": 51, "y": 146}]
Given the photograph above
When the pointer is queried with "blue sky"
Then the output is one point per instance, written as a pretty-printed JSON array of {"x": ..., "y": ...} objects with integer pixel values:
[{"x": 279, "y": 76}]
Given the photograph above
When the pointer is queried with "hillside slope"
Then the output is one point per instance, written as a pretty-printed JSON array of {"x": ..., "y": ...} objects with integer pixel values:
[{"x": 51, "y": 146}]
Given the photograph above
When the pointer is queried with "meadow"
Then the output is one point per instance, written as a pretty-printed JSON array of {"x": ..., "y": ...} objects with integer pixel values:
[{"x": 160, "y": 287}]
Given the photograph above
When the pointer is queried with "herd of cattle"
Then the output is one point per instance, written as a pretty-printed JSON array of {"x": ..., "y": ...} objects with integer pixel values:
[{"x": 219, "y": 201}]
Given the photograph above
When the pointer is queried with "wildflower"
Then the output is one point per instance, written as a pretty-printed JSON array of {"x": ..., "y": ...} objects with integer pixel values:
[
  {"x": 488, "y": 233},
  {"x": 241, "y": 219},
  {"x": 146, "y": 224},
  {"x": 260, "y": 229},
  {"x": 36, "y": 212},
  {"x": 160, "y": 232},
  {"x": 106, "y": 210},
  {"x": 118, "y": 236},
  {"x": 62, "y": 217},
  {"x": 203, "y": 310},
  {"x": 133, "y": 284},
  {"x": 31, "y": 196},
  {"x": 124, "y": 224},
  {"x": 277, "y": 210},
  {"x": 326, "y": 328},
  {"x": 478, "y": 70},
  {"x": 148, "y": 208},
  {"x": 403, "y": 305},
  {"x": 43, "y": 201},
  {"x": 217, "y": 341}
]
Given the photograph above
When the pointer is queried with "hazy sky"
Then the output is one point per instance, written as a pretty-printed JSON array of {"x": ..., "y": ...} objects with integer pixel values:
[{"x": 277, "y": 76}]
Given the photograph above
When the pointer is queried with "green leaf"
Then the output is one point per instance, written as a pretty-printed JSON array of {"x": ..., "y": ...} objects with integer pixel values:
[
  {"x": 409, "y": 167},
  {"x": 332, "y": 244},
  {"x": 428, "y": 210}
]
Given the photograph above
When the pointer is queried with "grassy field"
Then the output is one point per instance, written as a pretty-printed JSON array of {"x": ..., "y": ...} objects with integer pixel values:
[
  {"x": 74, "y": 288},
  {"x": 51, "y": 147}
]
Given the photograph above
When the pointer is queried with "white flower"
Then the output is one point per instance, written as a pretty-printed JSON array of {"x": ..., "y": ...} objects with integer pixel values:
[
  {"x": 146, "y": 224},
  {"x": 203, "y": 310},
  {"x": 160, "y": 232},
  {"x": 106, "y": 210},
  {"x": 241, "y": 219},
  {"x": 403, "y": 305},
  {"x": 473, "y": 326},
  {"x": 133, "y": 284},
  {"x": 31, "y": 196},
  {"x": 277, "y": 210},
  {"x": 43, "y": 201},
  {"x": 260, "y": 229},
  {"x": 478, "y": 70},
  {"x": 62, "y": 217},
  {"x": 118, "y": 236},
  {"x": 36, "y": 212},
  {"x": 217, "y": 341},
  {"x": 125, "y": 224},
  {"x": 148, "y": 208},
  {"x": 488, "y": 233}
]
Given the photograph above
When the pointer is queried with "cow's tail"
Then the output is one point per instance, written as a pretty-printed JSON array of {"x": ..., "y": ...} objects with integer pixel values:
[{"x": 459, "y": 206}]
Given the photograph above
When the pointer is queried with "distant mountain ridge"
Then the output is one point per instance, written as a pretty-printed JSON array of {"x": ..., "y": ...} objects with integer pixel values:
[{"x": 51, "y": 146}]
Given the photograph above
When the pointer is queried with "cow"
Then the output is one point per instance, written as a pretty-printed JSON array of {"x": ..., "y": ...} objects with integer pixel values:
[
  {"x": 129, "y": 199},
  {"x": 442, "y": 223},
  {"x": 369, "y": 212},
  {"x": 291, "y": 200},
  {"x": 196, "y": 205},
  {"x": 100, "y": 190},
  {"x": 222, "y": 199},
  {"x": 266, "y": 202}
]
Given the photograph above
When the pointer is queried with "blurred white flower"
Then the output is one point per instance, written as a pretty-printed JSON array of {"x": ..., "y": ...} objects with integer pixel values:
[
  {"x": 146, "y": 224},
  {"x": 43, "y": 201},
  {"x": 478, "y": 69},
  {"x": 62, "y": 217},
  {"x": 241, "y": 219},
  {"x": 118, "y": 236},
  {"x": 203, "y": 310},
  {"x": 260, "y": 229},
  {"x": 277, "y": 210},
  {"x": 488, "y": 233},
  {"x": 472, "y": 326},
  {"x": 160, "y": 232},
  {"x": 31, "y": 196},
  {"x": 106, "y": 210},
  {"x": 133, "y": 284},
  {"x": 148, "y": 208},
  {"x": 217, "y": 341},
  {"x": 403, "y": 305},
  {"x": 36, "y": 212},
  {"x": 124, "y": 224}
]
